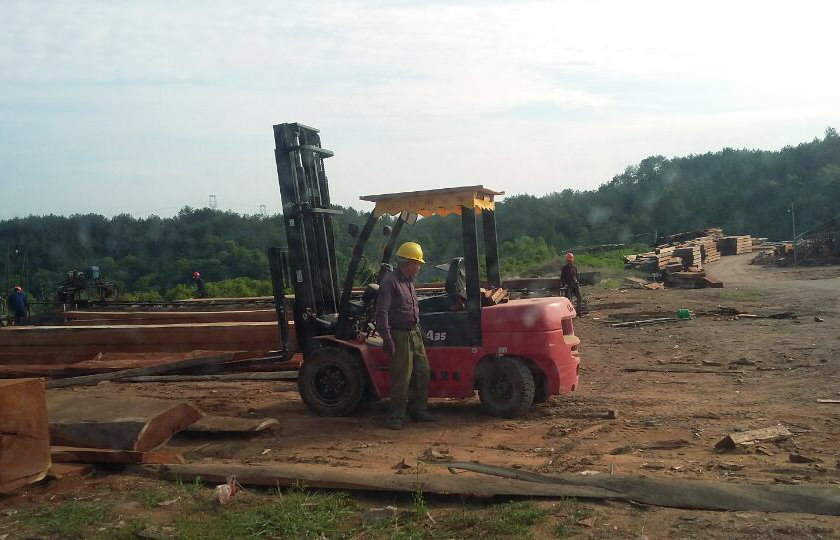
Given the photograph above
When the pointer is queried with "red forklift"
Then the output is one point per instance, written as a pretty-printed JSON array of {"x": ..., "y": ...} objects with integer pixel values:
[{"x": 514, "y": 354}]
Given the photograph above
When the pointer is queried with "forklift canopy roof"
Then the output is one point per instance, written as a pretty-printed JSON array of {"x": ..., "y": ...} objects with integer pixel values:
[{"x": 434, "y": 201}]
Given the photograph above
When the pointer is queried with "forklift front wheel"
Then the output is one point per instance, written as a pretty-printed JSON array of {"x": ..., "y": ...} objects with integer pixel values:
[
  {"x": 506, "y": 387},
  {"x": 332, "y": 382}
]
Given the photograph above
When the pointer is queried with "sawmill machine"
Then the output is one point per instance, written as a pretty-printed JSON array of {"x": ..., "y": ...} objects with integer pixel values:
[{"x": 514, "y": 353}]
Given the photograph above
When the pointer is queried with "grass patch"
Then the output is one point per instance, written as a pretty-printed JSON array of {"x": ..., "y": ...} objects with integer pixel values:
[
  {"x": 508, "y": 520},
  {"x": 570, "y": 513},
  {"x": 740, "y": 295},
  {"x": 72, "y": 519},
  {"x": 296, "y": 514}
]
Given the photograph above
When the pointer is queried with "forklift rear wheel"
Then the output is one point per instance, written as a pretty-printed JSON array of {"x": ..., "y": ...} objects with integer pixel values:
[
  {"x": 332, "y": 382},
  {"x": 506, "y": 388}
]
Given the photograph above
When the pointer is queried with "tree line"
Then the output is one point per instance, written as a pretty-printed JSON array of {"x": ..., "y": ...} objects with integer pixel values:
[{"x": 744, "y": 191}]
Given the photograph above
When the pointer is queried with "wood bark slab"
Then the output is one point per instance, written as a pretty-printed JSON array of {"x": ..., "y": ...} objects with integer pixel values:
[
  {"x": 229, "y": 424},
  {"x": 494, "y": 481},
  {"x": 24, "y": 438},
  {"x": 139, "y": 424},
  {"x": 745, "y": 438},
  {"x": 67, "y": 454},
  {"x": 167, "y": 367}
]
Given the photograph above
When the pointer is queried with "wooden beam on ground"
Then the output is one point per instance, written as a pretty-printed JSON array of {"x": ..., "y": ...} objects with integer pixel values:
[
  {"x": 747, "y": 438},
  {"x": 252, "y": 376},
  {"x": 125, "y": 423},
  {"x": 24, "y": 437},
  {"x": 169, "y": 367},
  {"x": 681, "y": 369},
  {"x": 230, "y": 425},
  {"x": 67, "y": 454},
  {"x": 501, "y": 481},
  {"x": 98, "y": 318}
]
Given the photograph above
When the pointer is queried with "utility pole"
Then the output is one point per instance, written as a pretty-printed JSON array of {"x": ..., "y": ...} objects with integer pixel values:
[
  {"x": 793, "y": 226},
  {"x": 212, "y": 202}
]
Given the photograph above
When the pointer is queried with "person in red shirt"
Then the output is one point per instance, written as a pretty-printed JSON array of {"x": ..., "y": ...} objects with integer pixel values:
[{"x": 569, "y": 278}]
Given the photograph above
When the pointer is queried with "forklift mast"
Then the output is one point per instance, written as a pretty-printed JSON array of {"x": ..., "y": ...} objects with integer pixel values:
[{"x": 305, "y": 194}]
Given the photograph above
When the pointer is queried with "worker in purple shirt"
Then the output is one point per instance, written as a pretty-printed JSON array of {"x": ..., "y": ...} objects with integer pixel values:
[{"x": 397, "y": 321}]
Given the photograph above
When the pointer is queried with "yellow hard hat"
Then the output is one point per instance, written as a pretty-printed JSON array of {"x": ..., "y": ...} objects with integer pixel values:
[{"x": 411, "y": 250}]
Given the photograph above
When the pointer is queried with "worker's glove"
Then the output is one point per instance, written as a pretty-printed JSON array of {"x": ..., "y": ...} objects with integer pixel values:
[{"x": 388, "y": 347}]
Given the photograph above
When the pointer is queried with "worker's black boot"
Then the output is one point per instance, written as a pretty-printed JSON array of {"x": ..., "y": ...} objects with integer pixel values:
[
  {"x": 394, "y": 423},
  {"x": 424, "y": 417}
]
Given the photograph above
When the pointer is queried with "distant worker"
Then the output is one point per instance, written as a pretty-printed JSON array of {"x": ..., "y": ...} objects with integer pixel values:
[
  {"x": 569, "y": 278},
  {"x": 398, "y": 322},
  {"x": 200, "y": 291},
  {"x": 18, "y": 305}
]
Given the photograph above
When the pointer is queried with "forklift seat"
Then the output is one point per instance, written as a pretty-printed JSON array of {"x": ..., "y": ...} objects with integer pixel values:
[{"x": 456, "y": 291}]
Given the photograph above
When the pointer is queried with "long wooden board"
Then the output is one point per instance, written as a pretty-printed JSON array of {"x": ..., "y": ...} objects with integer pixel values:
[
  {"x": 222, "y": 336},
  {"x": 140, "y": 424},
  {"x": 100, "y": 318},
  {"x": 495, "y": 481},
  {"x": 168, "y": 367},
  {"x": 24, "y": 438},
  {"x": 67, "y": 454}
]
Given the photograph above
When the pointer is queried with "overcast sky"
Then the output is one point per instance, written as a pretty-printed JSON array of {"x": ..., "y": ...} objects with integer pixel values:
[{"x": 145, "y": 107}]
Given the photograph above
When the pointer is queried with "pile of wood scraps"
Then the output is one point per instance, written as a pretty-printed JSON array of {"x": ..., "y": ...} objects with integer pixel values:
[
  {"x": 492, "y": 297},
  {"x": 39, "y": 428}
]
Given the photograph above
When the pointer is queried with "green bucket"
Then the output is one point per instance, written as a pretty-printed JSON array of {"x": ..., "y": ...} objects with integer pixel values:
[{"x": 683, "y": 314}]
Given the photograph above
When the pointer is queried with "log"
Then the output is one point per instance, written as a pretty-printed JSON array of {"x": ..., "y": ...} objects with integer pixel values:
[
  {"x": 143, "y": 371},
  {"x": 252, "y": 376},
  {"x": 229, "y": 425},
  {"x": 680, "y": 369},
  {"x": 66, "y": 454},
  {"x": 691, "y": 494},
  {"x": 125, "y": 423},
  {"x": 746, "y": 438},
  {"x": 24, "y": 437}
]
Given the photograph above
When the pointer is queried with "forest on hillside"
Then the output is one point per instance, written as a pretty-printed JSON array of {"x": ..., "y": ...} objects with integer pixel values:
[{"x": 744, "y": 191}]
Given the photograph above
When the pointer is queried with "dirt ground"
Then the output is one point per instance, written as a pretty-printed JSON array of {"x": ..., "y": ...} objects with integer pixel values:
[{"x": 781, "y": 368}]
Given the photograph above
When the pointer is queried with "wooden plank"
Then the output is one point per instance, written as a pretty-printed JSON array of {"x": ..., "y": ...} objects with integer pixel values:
[
  {"x": 143, "y": 371},
  {"x": 681, "y": 369},
  {"x": 253, "y": 376},
  {"x": 125, "y": 423},
  {"x": 500, "y": 481},
  {"x": 828, "y": 401},
  {"x": 746, "y": 438},
  {"x": 24, "y": 437},
  {"x": 90, "y": 318},
  {"x": 64, "y": 470},
  {"x": 67, "y": 454},
  {"x": 229, "y": 424},
  {"x": 223, "y": 336}
]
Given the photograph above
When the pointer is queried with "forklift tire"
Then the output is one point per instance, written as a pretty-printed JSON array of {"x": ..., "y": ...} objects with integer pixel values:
[
  {"x": 506, "y": 388},
  {"x": 541, "y": 392},
  {"x": 332, "y": 382}
]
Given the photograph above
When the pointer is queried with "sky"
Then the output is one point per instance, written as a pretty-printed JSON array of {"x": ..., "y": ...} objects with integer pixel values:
[{"x": 144, "y": 107}]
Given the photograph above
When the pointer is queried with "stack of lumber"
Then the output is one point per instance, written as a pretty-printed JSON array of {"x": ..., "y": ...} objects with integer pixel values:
[
  {"x": 652, "y": 261},
  {"x": 735, "y": 245},
  {"x": 690, "y": 256},
  {"x": 24, "y": 438}
]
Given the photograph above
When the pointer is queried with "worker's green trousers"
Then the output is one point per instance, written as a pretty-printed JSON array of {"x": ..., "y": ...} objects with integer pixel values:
[{"x": 409, "y": 374}]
